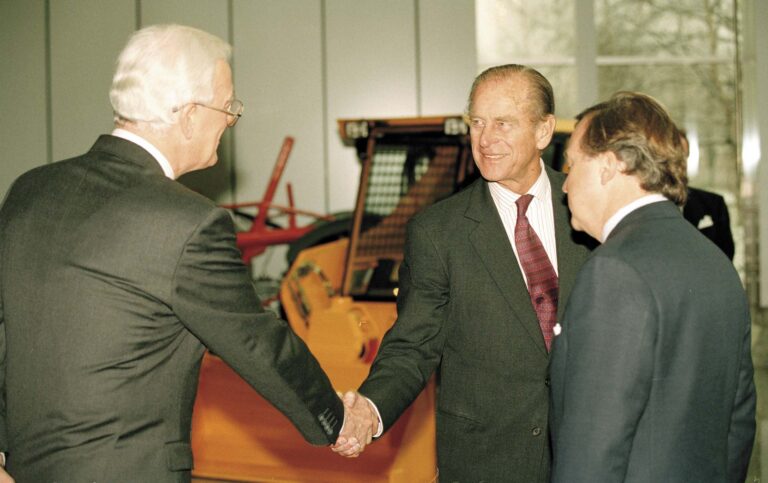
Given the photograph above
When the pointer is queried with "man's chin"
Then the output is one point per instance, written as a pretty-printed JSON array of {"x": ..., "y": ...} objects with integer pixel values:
[
  {"x": 575, "y": 224},
  {"x": 490, "y": 176}
]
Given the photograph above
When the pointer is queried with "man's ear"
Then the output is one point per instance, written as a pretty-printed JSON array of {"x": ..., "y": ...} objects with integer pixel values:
[
  {"x": 544, "y": 132},
  {"x": 187, "y": 120},
  {"x": 611, "y": 166}
]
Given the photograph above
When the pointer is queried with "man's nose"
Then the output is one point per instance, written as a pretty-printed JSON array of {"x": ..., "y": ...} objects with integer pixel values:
[{"x": 487, "y": 136}]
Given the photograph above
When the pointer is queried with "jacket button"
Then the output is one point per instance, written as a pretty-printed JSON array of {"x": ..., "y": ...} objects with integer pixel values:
[
  {"x": 546, "y": 382},
  {"x": 536, "y": 431}
]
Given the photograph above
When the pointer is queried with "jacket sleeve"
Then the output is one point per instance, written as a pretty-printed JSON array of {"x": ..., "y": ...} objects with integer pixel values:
[
  {"x": 412, "y": 348},
  {"x": 3, "y": 350},
  {"x": 3, "y": 428},
  {"x": 213, "y": 296},
  {"x": 741, "y": 433}
]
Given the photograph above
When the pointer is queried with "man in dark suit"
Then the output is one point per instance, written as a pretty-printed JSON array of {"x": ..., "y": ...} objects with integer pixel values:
[
  {"x": 464, "y": 304},
  {"x": 708, "y": 212},
  {"x": 652, "y": 375},
  {"x": 114, "y": 278}
]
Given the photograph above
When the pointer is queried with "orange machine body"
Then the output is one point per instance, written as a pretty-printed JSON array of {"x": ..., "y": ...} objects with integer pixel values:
[{"x": 239, "y": 436}]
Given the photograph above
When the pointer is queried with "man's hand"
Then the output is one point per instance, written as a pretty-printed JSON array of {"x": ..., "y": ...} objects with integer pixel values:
[{"x": 360, "y": 423}]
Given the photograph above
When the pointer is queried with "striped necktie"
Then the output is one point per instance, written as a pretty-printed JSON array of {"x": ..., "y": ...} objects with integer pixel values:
[{"x": 541, "y": 276}]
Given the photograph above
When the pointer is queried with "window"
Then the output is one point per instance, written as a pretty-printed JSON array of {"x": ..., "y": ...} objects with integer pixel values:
[{"x": 683, "y": 53}]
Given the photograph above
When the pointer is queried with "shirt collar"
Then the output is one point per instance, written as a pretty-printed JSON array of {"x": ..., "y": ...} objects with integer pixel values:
[
  {"x": 149, "y": 147},
  {"x": 627, "y": 209},
  {"x": 541, "y": 189}
]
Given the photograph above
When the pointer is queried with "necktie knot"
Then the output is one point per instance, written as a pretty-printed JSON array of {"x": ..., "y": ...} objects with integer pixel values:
[{"x": 522, "y": 204}]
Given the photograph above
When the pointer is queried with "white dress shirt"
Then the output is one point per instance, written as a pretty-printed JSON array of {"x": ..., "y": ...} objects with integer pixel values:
[
  {"x": 627, "y": 209},
  {"x": 540, "y": 214},
  {"x": 149, "y": 147}
]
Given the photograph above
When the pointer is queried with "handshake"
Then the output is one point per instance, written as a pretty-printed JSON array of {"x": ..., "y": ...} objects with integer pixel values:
[{"x": 361, "y": 423}]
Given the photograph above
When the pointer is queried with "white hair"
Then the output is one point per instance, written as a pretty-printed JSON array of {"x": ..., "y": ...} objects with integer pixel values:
[{"x": 162, "y": 68}]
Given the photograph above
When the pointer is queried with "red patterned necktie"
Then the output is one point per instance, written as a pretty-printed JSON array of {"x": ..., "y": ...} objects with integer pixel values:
[{"x": 541, "y": 276}]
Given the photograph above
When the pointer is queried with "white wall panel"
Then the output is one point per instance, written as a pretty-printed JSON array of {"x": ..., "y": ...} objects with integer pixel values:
[
  {"x": 447, "y": 57},
  {"x": 278, "y": 52},
  {"x": 23, "y": 134},
  {"x": 299, "y": 65},
  {"x": 86, "y": 37},
  {"x": 211, "y": 16},
  {"x": 208, "y": 15},
  {"x": 371, "y": 72},
  {"x": 278, "y": 74}
]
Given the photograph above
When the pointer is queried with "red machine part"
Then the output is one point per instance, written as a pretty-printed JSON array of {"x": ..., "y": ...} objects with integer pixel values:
[{"x": 263, "y": 234}]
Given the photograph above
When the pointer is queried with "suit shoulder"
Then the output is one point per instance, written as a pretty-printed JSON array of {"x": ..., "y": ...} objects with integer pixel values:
[
  {"x": 700, "y": 193},
  {"x": 448, "y": 209},
  {"x": 661, "y": 244},
  {"x": 170, "y": 200},
  {"x": 45, "y": 171},
  {"x": 38, "y": 180},
  {"x": 189, "y": 198},
  {"x": 699, "y": 201}
]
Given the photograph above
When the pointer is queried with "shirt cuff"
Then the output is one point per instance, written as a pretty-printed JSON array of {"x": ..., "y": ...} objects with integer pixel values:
[{"x": 378, "y": 415}]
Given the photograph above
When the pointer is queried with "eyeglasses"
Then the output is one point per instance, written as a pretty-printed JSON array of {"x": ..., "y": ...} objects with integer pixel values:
[{"x": 235, "y": 109}]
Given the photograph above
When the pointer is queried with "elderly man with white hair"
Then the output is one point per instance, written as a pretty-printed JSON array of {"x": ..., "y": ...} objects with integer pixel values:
[{"x": 114, "y": 278}]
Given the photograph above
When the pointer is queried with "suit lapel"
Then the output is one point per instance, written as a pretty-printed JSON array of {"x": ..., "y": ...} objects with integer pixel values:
[
  {"x": 567, "y": 263},
  {"x": 492, "y": 246}
]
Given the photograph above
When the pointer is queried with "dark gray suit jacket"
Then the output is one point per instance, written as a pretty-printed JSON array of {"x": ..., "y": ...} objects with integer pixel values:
[
  {"x": 463, "y": 306},
  {"x": 113, "y": 280},
  {"x": 652, "y": 376}
]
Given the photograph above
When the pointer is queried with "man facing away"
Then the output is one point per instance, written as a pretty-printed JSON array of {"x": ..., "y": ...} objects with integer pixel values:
[
  {"x": 652, "y": 376},
  {"x": 484, "y": 276},
  {"x": 114, "y": 278}
]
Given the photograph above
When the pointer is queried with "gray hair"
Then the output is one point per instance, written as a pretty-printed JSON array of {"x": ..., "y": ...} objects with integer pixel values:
[
  {"x": 541, "y": 94},
  {"x": 162, "y": 68}
]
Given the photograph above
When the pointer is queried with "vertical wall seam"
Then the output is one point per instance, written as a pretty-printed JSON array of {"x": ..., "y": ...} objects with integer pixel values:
[
  {"x": 48, "y": 86},
  {"x": 324, "y": 96},
  {"x": 417, "y": 42},
  {"x": 232, "y": 134},
  {"x": 738, "y": 98}
]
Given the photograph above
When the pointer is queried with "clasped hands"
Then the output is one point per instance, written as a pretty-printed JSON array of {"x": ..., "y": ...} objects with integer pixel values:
[{"x": 361, "y": 422}]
